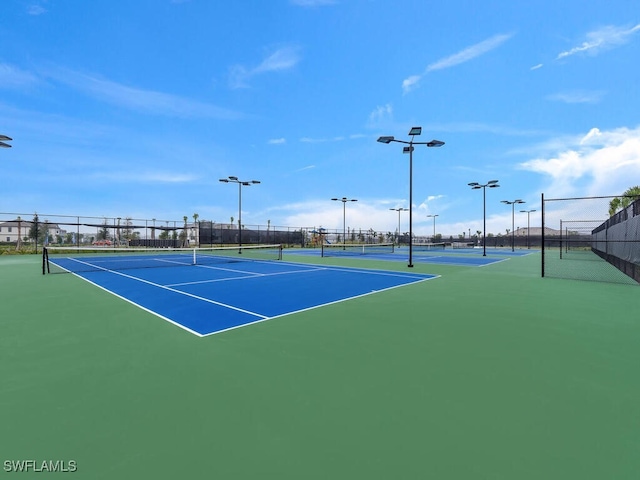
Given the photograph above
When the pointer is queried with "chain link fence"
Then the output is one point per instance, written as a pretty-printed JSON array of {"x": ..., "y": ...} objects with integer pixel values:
[{"x": 583, "y": 240}]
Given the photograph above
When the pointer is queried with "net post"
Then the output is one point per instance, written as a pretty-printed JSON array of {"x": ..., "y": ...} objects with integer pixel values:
[
  {"x": 195, "y": 262},
  {"x": 542, "y": 236},
  {"x": 561, "y": 240},
  {"x": 45, "y": 261}
]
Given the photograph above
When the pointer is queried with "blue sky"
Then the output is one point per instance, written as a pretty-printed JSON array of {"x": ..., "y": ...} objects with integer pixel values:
[{"x": 137, "y": 109}]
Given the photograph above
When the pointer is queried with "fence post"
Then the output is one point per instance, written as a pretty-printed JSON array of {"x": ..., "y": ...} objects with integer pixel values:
[{"x": 542, "y": 235}]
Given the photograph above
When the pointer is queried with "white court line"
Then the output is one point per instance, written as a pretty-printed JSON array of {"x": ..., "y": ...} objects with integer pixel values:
[
  {"x": 308, "y": 268},
  {"x": 197, "y": 297},
  {"x": 261, "y": 318},
  {"x": 251, "y": 275},
  {"x": 318, "y": 306},
  {"x": 197, "y": 334},
  {"x": 492, "y": 263},
  {"x": 388, "y": 273}
]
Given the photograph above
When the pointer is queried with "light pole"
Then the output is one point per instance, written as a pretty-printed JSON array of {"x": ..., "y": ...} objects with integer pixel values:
[
  {"x": 4, "y": 138},
  {"x": 513, "y": 233},
  {"x": 344, "y": 201},
  {"x": 399, "y": 210},
  {"x": 476, "y": 186},
  {"x": 240, "y": 183},
  {"x": 528, "y": 212},
  {"x": 433, "y": 143},
  {"x": 434, "y": 226}
]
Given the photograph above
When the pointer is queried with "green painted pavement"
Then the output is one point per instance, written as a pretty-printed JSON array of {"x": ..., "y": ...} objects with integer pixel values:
[{"x": 484, "y": 373}]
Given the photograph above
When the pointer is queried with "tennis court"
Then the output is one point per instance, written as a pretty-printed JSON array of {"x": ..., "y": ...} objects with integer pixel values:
[
  {"x": 422, "y": 253},
  {"x": 208, "y": 291},
  {"x": 487, "y": 372}
]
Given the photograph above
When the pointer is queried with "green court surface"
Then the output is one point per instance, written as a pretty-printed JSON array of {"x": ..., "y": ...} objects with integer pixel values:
[{"x": 483, "y": 373}]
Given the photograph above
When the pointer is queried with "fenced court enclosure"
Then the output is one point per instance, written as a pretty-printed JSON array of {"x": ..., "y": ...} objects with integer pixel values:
[
  {"x": 152, "y": 359},
  {"x": 211, "y": 290},
  {"x": 583, "y": 240}
]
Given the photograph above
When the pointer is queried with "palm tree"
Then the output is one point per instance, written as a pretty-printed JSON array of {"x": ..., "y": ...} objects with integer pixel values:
[
  {"x": 195, "y": 228},
  {"x": 18, "y": 244},
  {"x": 184, "y": 232},
  {"x": 620, "y": 203}
]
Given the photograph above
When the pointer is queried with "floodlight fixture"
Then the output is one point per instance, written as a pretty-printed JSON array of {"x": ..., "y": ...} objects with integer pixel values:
[
  {"x": 513, "y": 205},
  {"x": 399, "y": 209},
  {"x": 344, "y": 201},
  {"x": 3, "y": 139},
  {"x": 433, "y": 143},
  {"x": 528, "y": 212},
  {"x": 478, "y": 186},
  {"x": 241, "y": 183},
  {"x": 434, "y": 226}
]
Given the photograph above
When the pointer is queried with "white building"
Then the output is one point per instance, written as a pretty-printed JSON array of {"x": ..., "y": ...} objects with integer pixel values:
[{"x": 12, "y": 230}]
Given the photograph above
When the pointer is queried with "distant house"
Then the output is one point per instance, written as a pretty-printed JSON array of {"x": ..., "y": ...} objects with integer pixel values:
[
  {"x": 11, "y": 230},
  {"x": 536, "y": 231}
]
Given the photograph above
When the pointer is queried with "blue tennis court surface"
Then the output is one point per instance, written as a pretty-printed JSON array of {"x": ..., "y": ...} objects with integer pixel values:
[
  {"x": 209, "y": 299},
  {"x": 468, "y": 257}
]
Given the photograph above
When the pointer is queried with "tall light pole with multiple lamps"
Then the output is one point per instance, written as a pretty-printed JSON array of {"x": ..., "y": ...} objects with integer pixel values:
[
  {"x": 528, "y": 212},
  {"x": 399, "y": 210},
  {"x": 433, "y": 143},
  {"x": 434, "y": 226},
  {"x": 344, "y": 201},
  {"x": 513, "y": 205},
  {"x": 477, "y": 186},
  {"x": 241, "y": 183}
]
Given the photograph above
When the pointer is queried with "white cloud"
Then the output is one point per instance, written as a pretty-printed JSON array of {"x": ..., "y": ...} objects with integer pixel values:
[
  {"x": 14, "y": 77},
  {"x": 134, "y": 177},
  {"x": 462, "y": 56},
  {"x": 145, "y": 101},
  {"x": 597, "y": 163},
  {"x": 602, "y": 39},
  {"x": 36, "y": 10},
  {"x": 313, "y": 3},
  {"x": 321, "y": 140},
  {"x": 411, "y": 83},
  {"x": 381, "y": 114},
  {"x": 536, "y": 67},
  {"x": 577, "y": 96},
  {"x": 282, "y": 59},
  {"x": 277, "y": 141}
]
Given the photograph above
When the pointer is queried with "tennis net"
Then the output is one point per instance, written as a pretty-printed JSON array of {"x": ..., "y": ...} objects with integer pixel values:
[
  {"x": 86, "y": 259},
  {"x": 427, "y": 247},
  {"x": 334, "y": 249}
]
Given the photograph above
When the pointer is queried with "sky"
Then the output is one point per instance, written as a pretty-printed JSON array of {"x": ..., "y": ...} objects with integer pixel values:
[{"x": 137, "y": 109}]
